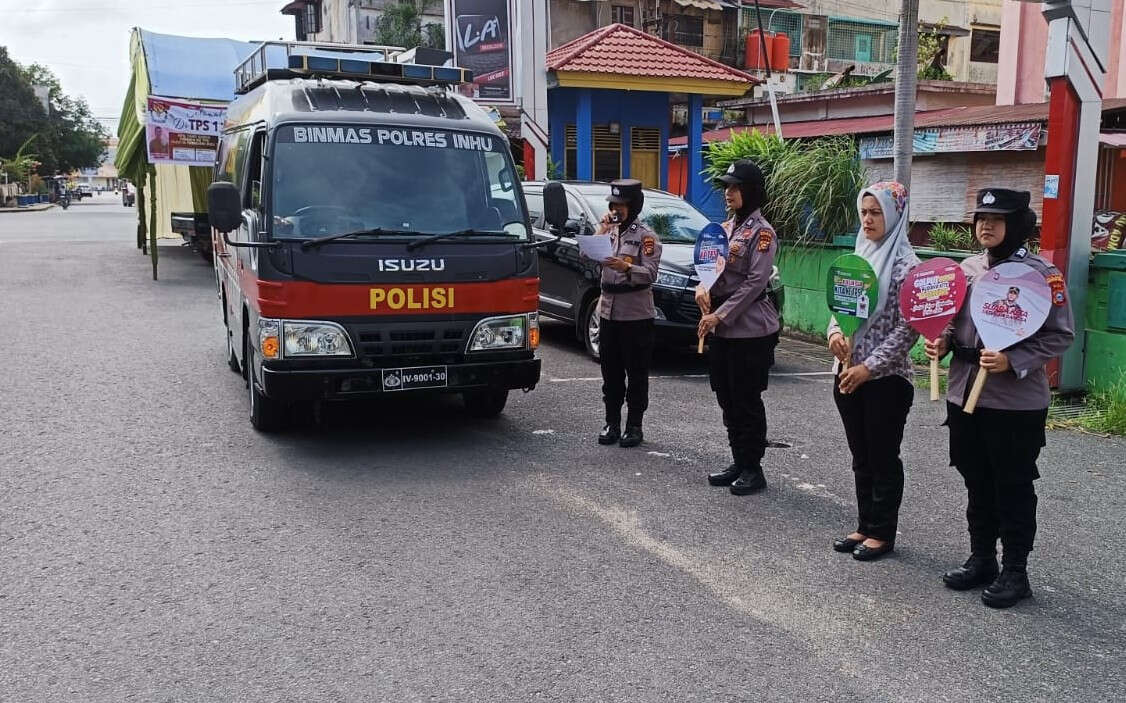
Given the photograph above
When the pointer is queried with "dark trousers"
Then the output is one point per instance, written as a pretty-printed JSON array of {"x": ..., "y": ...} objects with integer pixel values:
[
  {"x": 996, "y": 453},
  {"x": 873, "y": 416},
  {"x": 739, "y": 370},
  {"x": 625, "y": 350}
]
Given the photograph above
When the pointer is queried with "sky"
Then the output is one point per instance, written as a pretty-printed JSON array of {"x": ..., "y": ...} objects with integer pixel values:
[{"x": 86, "y": 42}]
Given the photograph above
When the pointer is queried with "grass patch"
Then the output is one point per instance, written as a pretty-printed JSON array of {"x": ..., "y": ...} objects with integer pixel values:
[{"x": 1103, "y": 411}]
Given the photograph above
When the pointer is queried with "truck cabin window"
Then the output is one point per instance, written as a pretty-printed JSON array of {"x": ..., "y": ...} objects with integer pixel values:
[{"x": 330, "y": 179}]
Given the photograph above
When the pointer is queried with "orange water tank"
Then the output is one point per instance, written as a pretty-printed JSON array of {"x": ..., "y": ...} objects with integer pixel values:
[
  {"x": 755, "y": 57},
  {"x": 780, "y": 52}
]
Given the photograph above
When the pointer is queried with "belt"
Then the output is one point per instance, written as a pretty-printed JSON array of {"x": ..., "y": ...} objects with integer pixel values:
[
  {"x": 970, "y": 355},
  {"x": 624, "y": 287}
]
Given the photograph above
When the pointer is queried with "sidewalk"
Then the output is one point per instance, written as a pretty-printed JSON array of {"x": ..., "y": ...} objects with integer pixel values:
[{"x": 37, "y": 207}]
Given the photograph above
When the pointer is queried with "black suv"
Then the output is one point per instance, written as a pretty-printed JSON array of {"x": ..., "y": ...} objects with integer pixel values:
[{"x": 569, "y": 287}]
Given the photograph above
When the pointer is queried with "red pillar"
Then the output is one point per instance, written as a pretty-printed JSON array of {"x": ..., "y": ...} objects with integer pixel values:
[
  {"x": 1063, "y": 145},
  {"x": 529, "y": 161}
]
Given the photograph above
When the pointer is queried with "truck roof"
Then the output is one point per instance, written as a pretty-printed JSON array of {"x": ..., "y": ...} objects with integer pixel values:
[{"x": 350, "y": 101}]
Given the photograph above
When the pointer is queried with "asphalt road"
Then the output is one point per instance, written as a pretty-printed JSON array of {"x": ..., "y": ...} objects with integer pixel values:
[{"x": 153, "y": 547}]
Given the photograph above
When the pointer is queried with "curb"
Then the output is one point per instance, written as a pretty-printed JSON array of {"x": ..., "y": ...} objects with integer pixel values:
[{"x": 30, "y": 208}]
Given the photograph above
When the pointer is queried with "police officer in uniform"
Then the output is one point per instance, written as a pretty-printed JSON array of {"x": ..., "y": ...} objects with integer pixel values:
[
  {"x": 745, "y": 326},
  {"x": 995, "y": 449},
  {"x": 626, "y": 313}
]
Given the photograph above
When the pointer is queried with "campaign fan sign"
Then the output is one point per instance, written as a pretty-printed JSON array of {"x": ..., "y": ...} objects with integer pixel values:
[
  {"x": 1009, "y": 303},
  {"x": 852, "y": 289},
  {"x": 931, "y": 296},
  {"x": 710, "y": 253},
  {"x": 183, "y": 133}
]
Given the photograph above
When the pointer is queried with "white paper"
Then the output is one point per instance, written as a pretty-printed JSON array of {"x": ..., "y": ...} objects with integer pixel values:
[{"x": 595, "y": 246}]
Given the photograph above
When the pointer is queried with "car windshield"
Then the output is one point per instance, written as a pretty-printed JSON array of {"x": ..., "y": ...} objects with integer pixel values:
[
  {"x": 672, "y": 219},
  {"x": 335, "y": 179}
]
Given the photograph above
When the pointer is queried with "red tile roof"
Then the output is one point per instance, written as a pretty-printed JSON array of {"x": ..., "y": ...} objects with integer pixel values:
[
  {"x": 619, "y": 49},
  {"x": 947, "y": 117}
]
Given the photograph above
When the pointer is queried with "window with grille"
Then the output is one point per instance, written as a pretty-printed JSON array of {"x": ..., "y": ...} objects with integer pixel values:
[
  {"x": 788, "y": 23},
  {"x": 861, "y": 41},
  {"x": 985, "y": 45},
  {"x": 685, "y": 30},
  {"x": 622, "y": 14},
  {"x": 313, "y": 17},
  {"x": 606, "y": 148}
]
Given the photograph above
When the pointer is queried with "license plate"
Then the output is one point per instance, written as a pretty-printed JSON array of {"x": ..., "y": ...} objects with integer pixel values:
[{"x": 415, "y": 378}]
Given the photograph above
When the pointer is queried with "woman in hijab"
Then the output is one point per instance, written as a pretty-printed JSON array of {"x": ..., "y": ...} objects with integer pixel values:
[
  {"x": 874, "y": 393},
  {"x": 995, "y": 449},
  {"x": 745, "y": 326}
]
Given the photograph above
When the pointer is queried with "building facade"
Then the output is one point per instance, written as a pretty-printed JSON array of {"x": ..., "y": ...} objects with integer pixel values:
[{"x": 350, "y": 21}]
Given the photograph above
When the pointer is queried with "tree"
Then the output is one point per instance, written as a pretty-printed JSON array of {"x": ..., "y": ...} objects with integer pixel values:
[
  {"x": 906, "y": 76},
  {"x": 21, "y": 114},
  {"x": 401, "y": 25},
  {"x": 71, "y": 138}
]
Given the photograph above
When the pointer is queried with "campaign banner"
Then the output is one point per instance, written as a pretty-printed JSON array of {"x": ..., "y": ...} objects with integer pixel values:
[
  {"x": 1009, "y": 303},
  {"x": 1109, "y": 231},
  {"x": 931, "y": 296},
  {"x": 183, "y": 133},
  {"x": 482, "y": 42},
  {"x": 852, "y": 289},
  {"x": 945, "y": 140},
  {"x": 710, "y": 254}
]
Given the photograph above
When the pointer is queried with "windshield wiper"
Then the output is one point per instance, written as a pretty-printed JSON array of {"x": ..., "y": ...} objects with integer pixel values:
[
  {"x": 310, "y": 243},
  {"x": 450, "y": 235}
]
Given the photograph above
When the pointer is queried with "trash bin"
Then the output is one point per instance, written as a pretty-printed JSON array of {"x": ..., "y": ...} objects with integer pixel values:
[{"x": 1106, "y": 319}]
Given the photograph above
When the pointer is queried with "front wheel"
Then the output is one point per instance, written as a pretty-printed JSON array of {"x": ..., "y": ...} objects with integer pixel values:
[
  {"x": 266, "y": 414},
  {"x": 489, "y": 403},
  {"x": 590, "y": 327}
]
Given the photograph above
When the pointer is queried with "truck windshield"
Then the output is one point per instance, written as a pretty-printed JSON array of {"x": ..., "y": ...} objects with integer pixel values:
[{"x": 335, "y": 179}]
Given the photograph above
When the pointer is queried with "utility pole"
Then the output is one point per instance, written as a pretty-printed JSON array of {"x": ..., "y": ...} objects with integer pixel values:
[{"x": 905, "y": 82}]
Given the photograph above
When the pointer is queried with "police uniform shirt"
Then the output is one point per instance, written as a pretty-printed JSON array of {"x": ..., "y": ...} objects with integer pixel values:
[
  {"x": 1025, "y": 385},
  {"x": 739, "y": 294},
  {"x": 629, "y": 295}
]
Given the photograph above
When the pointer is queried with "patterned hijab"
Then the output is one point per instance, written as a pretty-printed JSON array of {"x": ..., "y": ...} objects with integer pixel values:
[{"x": 894, "y": 246}]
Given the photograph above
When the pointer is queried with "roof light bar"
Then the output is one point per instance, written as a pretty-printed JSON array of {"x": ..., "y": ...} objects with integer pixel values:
[{"x": 280, "y": 60}]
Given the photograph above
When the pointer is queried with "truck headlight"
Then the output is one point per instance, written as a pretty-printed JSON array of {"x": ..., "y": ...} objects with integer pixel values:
[
  {"x": 315, "y": 339},
  {"x": 668, "y": 279},
  {"x": 508, "y": 332}
]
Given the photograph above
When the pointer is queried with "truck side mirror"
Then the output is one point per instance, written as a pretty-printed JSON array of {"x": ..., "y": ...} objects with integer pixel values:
[
  {"x": 555, "y": 205},
  {"x": 224, "y": 206}
]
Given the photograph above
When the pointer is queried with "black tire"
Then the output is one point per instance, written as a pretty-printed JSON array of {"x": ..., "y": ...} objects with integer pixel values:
[
  {"x": 232, "y": 358},
  {"x": 266, "y": 414},
  {"x": 487, "y": 404},
  {"x": 588, "y": 327}
]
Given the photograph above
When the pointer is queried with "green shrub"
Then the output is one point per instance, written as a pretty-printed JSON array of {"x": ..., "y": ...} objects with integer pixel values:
[
  {"x": 946, "y": 237},
  {"x": 812, "y": 184}
]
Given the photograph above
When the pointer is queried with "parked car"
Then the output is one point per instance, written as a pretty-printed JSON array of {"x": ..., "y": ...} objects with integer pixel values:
[
  {"x": 569, "y": 286},
  {"x": 84, "y": 190}
]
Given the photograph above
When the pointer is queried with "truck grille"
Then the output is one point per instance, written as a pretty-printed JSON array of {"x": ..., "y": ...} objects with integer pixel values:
[{"x": 398, "y": 343}]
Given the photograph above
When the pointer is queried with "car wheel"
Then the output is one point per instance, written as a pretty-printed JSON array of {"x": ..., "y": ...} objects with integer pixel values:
[
  {"x": 232, "y": 358},
  {"x": 488, "y": 403},
  {"x": 266, "y": 414},
  {"x": 590, "y": 327}
]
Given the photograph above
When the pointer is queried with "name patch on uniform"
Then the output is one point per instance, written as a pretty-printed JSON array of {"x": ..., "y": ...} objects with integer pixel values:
[
  {"x": 765, "y": 237},
  {"x": 1059, "y": 288},
  {"x": 648, "y": 245}
]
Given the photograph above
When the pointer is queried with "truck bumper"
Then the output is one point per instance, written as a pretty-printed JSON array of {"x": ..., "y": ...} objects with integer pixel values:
[{"x": 340, "y": 384}]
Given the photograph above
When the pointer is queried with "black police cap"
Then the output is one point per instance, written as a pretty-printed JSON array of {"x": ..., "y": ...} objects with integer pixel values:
[
  {"x": 624, "y": 191},
  {"x": 1002, "y": 201},
  {"x": 740, "y": 172}
]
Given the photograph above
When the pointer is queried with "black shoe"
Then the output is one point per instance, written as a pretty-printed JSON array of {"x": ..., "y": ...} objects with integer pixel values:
[
  {"x": 749, "y": 481},
  {"x": 977, "y": 571},
  {"x": 1010, "y": 587},
  {"x": 609, "y": 434},
  {"x": 845, "y": 544},
  {"x": 866, "y": 553},
  {"x": 632, "y": 437},
  {"x": 725, "y": 477}
]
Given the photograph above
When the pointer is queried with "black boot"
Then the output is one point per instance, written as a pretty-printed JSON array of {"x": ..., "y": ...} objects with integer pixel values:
[
  {"x": 751, "y": 480},
  {"x": 632, "y": 436},
  {"x": 725, "y": 477},
  {"x": 610, "y": 433},
  {"x": 978, "y": 570},
  {"x": 1010, "y": 587}
]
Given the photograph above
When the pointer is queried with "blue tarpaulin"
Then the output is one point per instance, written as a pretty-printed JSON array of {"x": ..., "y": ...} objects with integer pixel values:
[{"x": 193, "y": 68}]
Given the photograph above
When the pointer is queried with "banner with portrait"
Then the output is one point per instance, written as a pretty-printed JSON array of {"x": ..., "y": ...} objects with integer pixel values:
[{"x": 183, "y": 133}]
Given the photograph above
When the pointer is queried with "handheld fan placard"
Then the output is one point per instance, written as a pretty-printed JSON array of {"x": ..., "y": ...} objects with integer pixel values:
[
  {"x": 1009, "y": 303},
  {"x": 852, "y": 290},
  {"x": 930, "y": 297},
  {"x": 710, "y": 254}
]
